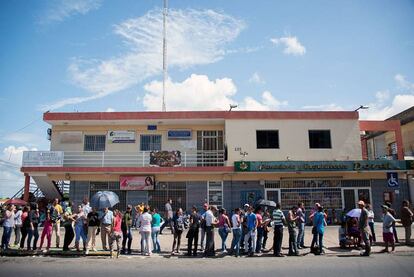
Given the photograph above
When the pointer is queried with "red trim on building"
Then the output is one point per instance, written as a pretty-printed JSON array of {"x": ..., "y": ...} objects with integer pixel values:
[
  {"x": 199, "y": 115},
  {"x": 130, "y": 169}
]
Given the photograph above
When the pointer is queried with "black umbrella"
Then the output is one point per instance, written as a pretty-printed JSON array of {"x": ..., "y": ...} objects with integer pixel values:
[{"x": 266, "y": 203}]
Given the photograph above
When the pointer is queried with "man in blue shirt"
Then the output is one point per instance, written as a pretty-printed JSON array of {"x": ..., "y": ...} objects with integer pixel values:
[{"x": 251, "y": 231}]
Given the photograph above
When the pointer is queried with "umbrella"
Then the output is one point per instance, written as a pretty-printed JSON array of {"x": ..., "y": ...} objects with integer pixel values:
[
  {"x": 354, "y": 213},
  {"x": 267, "y": 203},
  {"x": 15, "y": 201},
  {"x": 104, "y": 199}
]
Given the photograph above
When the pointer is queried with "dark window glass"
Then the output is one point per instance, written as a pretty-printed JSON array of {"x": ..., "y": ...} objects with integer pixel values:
[
  {"x": 94, "y": 143},
  {"x": 320, "y": 139},
  {"x": 267, "y": 139},
  {"x": 150, "y": 143}
]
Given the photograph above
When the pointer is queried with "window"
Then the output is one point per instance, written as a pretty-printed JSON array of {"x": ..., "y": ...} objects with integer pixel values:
[
  {"x": 267, "y": 139},
  {"x": 215, "y": 194},
  {"x": 94, "y": 143},
  {"x": 320, "y": 139},
  {"x": 150, "y": 143}
]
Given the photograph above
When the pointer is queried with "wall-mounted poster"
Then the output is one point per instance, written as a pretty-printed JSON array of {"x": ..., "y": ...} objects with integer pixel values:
[
  {"x": 121, "y": 136},
  {"x": 136, "y": 182},
  {"x": 165, "y": 158}
]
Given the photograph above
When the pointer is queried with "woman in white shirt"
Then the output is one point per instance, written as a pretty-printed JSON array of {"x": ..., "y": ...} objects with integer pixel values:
[
  {"x": 236, "y": 228},
  {"x": 17, "y": 225},
  {"x": 371, "y": 216},
  {"x": 145, "y": 220}
]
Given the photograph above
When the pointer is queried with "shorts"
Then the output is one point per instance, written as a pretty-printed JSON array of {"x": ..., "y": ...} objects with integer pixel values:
[{"x": 388, "y": 237}]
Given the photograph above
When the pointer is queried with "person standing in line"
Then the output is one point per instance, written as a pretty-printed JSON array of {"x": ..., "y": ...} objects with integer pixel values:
[
  {"x": 155, "y": 230},
  {"x": 56, "y": 217},
  {"x": 387, "y": 234},
  {"x": 407, "y": 220},
  {"x": 251, "y": 231},
  {"x": 319, "y": 220},
  {"x": 86, "y": 208},
  {"x": 364, "y": 228},
  {"x": 68, "y": 224},
  {"x": 203, "y": 226},
  {"x": 260, "y": 230},
  {"x": 243, "y": 219},
  {"x": 266, "y": 222},
  {"x": 394, "y": 230},
  {"x": 291, "y": 223},
  {"x": 93, "y": 225},
  {"x": 17, "y": 225},
  {"x": 211, "y": 221},
  {"x": 145, "y": 228},
  {"x": 168, "y": 216},
  {"x": 115, "y": 233},
  {"x": 314, "y": 242},
  {"x": 47, "y": 232},
  {"x": 236, "y": 223},
  {"x": 33, "y": 231},
  {"x": 80, "y": 220},
  {"x": 126, "y": 230},
  {"x": 223, "y": 228},
  {"x": 371, "y": 216},
  {"x": 106, "y": 220},
  {"x": 278, "y": 221},
  {"x": 25, "y": 225},
  {"x": 300, "y": 212},
  {"x": 8, "y": 226},
  {"x": 193, "y": 231},
  {"x": 178, "y": 228}
]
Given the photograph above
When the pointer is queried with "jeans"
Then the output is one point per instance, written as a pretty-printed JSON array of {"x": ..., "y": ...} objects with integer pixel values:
[
  {"x": 407, "y": 234},
  {"x": 80, "y": 233},
  {"x": 371, "y": 227},
  {"x": 126, "y": 236},
  {"x": 223, "y": 234},
  {"x": 365, "y": 237},
  {"x": 251, "y": 234},
  {"x": 146, "y": 237},
  {"x": 236, "y": 241},
  {"x": 177, "y": 240},
  {"x": 320, "y": 242},
  {"x": 192, "y": 237},
  {"x": 203, "y": 237},
  {"x": 394, "y": 230},
  {"x": 32, "y": 234},
  {"x": 155, "y": 240},
  {"x": 265, "y": 235},
  {"x": 301, "y": 235},
  {"x": 17, "y": 232},
  {"x": 166, "y": 222},
  {"x": 293, "y": 247},
  {"x": 277, "y": 240},
  {"x": 5, "y": 239},
  {"x": 260, "y": 234},
  {"x": 209, "y": 251}
]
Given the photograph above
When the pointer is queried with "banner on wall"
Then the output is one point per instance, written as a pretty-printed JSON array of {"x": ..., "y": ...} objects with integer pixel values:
[
  {"x": 136, "y": 182},
  {"x": 121, "y": 136},
  {"x": 165, "y": 158}
]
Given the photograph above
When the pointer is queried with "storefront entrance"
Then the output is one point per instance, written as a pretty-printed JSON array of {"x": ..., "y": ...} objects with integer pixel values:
[
  {"x": 272, "y": 195},
  {"x": 351, "y": 196}
]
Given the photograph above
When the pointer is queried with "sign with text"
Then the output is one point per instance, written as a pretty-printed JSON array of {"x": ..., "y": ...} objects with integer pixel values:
[
  {"x": 309, "y": 166},
  {"x": 121, "y": 136},
  {"x": 43, "y": 158},
  {"x": 179, "y": 134},
  {"x": 136, "y": 182}
]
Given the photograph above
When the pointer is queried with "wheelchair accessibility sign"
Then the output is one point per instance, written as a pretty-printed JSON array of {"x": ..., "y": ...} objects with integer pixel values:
[{"x": 392, "y": 179}]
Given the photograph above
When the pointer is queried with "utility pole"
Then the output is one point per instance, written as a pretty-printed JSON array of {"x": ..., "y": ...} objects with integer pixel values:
[{"x": 164, "y": 54}]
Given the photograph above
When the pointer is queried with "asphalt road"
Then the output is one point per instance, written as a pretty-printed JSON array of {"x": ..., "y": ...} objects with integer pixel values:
[{"x": 377, "y": 265}]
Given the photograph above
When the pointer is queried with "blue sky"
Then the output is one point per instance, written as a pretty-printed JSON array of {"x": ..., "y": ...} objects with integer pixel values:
[{"x": 101, "y": 55}]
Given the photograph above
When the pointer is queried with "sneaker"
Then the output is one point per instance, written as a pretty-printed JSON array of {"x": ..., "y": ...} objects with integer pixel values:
[
  {"x": 94, "y": 250},
  {"x": 87, "y": 252}
]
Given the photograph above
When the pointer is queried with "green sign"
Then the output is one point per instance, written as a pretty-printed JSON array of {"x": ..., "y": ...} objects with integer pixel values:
[{"x": 295, "y": 166}]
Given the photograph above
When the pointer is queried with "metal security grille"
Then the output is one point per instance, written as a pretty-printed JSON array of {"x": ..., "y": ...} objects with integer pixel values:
[
  {"x": 166, "y": 190},
  {"x": 272, "y": 184},
  {"x": 215, "y": 193},
  {"x": 356, "y": 183},
  {"x": 208, "y": 143},
  {"x": 94, "y": 187},
  {"x": 94, "y": 143},
  {"x": 330, "y": 198},
  {"x": 150, "y": 143}
]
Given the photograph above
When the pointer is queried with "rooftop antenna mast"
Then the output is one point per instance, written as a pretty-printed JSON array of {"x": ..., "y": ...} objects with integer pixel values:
[{"x": 164, "y": 53}]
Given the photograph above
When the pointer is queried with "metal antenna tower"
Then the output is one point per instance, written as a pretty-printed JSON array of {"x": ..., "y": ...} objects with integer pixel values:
[{"x": 164, "y": 54}]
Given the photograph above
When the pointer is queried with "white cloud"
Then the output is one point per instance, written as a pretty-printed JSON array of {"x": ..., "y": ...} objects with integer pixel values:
[
  {"x": 28, "y": 139},
  {"x": 324, "y": 107},
  {"x": 59, "y": 10},
  {"x": 199, "y": 93},
  {"x": 403, "y": 83},
  {"x": 256, "y": 79},
  {"x": 291, "y": 44},
  {"x": 195, "y": 37},
  {"x": 13, "y": 154},
  {"x": 109, "y": 110}
]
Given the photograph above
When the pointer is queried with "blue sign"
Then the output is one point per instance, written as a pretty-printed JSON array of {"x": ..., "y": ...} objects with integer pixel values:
[
  {"x": 179, "y": 134},
  {"x": 392, "y": 179},
  {"x": 152, "y": 127}
]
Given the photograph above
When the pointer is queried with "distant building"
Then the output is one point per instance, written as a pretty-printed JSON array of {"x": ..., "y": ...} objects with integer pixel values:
[{"x": 222, "y": 158}]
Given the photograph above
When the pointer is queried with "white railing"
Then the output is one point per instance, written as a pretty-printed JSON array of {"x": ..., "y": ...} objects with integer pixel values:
[{"x": 125, "y": 159}]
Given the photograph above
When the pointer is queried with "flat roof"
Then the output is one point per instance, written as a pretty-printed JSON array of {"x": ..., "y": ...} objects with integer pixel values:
[{"x": 114, "y": 116}]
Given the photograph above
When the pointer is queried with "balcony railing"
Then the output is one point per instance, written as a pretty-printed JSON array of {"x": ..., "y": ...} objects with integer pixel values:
[{"x": 121, "y": 159}]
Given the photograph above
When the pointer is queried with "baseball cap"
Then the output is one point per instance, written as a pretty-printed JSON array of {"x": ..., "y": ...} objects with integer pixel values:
[
  {"x": 361, "y": 203},
  {"x": 385, "y": 207},
  {"x": 246, "y": 205}
]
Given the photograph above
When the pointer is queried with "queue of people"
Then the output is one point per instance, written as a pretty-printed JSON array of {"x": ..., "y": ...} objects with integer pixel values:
[{"x": 249, "y": 227}]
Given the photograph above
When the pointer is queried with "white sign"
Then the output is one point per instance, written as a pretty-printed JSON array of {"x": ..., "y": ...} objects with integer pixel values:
[
  {"x": 121, "y": 136},
  {"x": 43, "y": 158}
]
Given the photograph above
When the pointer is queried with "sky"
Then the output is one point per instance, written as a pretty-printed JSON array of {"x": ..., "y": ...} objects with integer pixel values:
[{"x": 101, "y": 55}]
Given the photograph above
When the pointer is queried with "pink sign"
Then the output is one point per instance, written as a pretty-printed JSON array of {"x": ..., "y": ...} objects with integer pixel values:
[{"x": 136, "y": 182}]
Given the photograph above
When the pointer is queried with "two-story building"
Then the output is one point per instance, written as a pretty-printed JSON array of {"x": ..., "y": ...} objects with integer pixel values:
[{"x": 220, "y": 157}]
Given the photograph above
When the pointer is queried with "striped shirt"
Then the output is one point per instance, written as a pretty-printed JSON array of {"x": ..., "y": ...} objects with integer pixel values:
[{"x": 278, "y": 218}]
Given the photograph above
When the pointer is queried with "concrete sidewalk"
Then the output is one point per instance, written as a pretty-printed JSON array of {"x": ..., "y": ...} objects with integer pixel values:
[{"x": 330, "y": 242}]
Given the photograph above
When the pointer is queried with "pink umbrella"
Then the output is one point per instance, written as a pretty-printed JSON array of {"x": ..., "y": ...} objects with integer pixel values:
[{"x": 16, "y": 201}]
